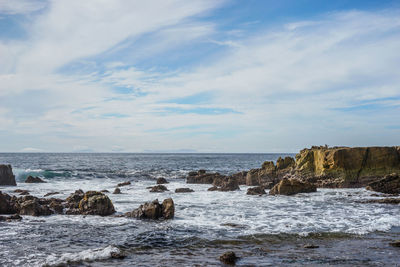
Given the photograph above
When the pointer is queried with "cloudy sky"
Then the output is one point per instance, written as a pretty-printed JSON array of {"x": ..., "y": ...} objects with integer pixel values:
[{"x": 205, "y": 76}]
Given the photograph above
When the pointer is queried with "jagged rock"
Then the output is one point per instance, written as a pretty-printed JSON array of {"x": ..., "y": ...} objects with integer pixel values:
[
  {"x": 258, "y": 190},
  {"x": 32, "y": 179},
  {"x": 168, "y": 208},
  {"x": 34, "y": 208},
  {"x": 162, "y": 181},
  {"x": 390, "y": 184},
  {"x": 287, "y": 162},
  {"x": 269, "y": 173},
  {"x": 96, "y": 203},
  {"x": 124, "y": 183},
  {"x": 346, "y": 166},
  {"x": 240, "y": 176},
  {"x": 51, "y": 193},
  {"x": 291, "y": 187},
  {"x": 117, "y": 191},
  {"x": 229, "y": 258},
  {"x": 158, "y": 189},
  {"x": 6, "y": 175},
  {"x": 203, "y": 178},
  {"x": 230, "y": 185},
  {"x": 184, "y": 190},
  {"x": 154, "y": 210},
  {"x": 74, "y": 199},
  {"x": 6, "y": 204}
]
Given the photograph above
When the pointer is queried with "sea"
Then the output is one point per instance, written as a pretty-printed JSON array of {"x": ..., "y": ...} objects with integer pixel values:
[{"x": 261, "y": 230}]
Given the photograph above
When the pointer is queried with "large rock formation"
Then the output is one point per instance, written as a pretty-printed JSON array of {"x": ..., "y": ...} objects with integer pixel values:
[
  {"x": 96, "y": 203},
  {"x": 346, "y": 166},
  {"x": 292, "y": 186},
  {"x": 6, "y": 175},
  {"x": 390, "y": 184},
  {"x": 154, "y": 210},
  {"x": 270, "y": 174}
]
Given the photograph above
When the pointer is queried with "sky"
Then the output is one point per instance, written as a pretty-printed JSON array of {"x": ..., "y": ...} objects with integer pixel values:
[{"x": 198, "y": 76}]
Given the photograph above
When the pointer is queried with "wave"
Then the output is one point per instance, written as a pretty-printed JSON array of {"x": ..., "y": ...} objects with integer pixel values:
[
  {"x": 88, "y": 255},
  {"x": 21, "y": 174}
]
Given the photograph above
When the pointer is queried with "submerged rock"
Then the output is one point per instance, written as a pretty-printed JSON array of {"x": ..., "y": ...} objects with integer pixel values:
[
  {"x": 229, "y": 258},
  {"x": 395, "y": 243},
  {"x": 390, "y": 184},
  {"x": 11, "y": 218},
  {"x": 184, "y": 190},
  {"x": 96, "y": 203},
  {"x": 124, "y": 183},
  {"x": 154, "y": 210},
  {"x": 6, "y": 175},
  {"x": 158, "y": 189},
  {"x": 291, "y": 187},
  {"x": 117, "y": 191},
  {"x": 311, "y": 246},
  {"x": 162, "y": 181},
  {"x": 32, "y": 180},
  {"x": 258, "y": 190}
]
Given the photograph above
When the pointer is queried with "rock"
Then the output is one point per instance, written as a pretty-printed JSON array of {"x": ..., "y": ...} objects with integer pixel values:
[
  {"x": 74, "y": 199},
  {"x": 14, "y": 217},
  {"x": 258, "y": 190},
  {"x": 32, "y": 179},
  {"x": 6, "y": 204},
  {"x": 56, "y": 206},
  {"x": 168, "y": 208},
  {"x": 124, "y": 183},
  {"x": 162, "y": 181},
  {"x": 214, "y": 188},
  {"x": 240, "y": 176},
  {"x": 204, "y": 178},
  {"x": 287, "y": 162},
  {"x": 395, "y": 243},
  {"x": 229, "y": 258},
  {"x": 6, "y": 175},
  {"x": 96, "y": 203},
  {"x": 310, "y": 246},
  {"x": 24, "y": 193},
  {"x": 158, "y": 189},
  {"x": 32, "y": 207},
  {"x": 184, "y": 190},
  {"x": 390, "y": 184},
  {"x": 346, "y": 166},
  {"x": 154, "y": 210},
  {"x": 291, "y": 187},
  {"x": 117, "y": 255},
  {"x": 105, "y": 191},
  {"x": 19, "y": 190},
  {"x": 230, "y": 185},
  {"x": 51, "y": 193},
  {"x": 117, "y": 191}
]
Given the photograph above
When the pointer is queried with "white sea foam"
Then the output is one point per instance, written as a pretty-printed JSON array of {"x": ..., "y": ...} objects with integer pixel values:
[{"x": 86, "y": 255}]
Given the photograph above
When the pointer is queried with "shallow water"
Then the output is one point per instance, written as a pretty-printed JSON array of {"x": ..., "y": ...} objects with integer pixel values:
[{"x": 267, "y": 230}]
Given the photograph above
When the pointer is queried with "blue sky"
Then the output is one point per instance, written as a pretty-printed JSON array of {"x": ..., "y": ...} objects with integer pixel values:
[{"x": 206, "y": 76}]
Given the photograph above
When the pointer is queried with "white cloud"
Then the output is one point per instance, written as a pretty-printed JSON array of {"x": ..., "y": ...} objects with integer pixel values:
[{"x": 13, "y": 7}]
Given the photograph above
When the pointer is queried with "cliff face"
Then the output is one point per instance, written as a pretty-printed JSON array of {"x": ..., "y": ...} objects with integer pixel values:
[{"x": 346, "y": 166}]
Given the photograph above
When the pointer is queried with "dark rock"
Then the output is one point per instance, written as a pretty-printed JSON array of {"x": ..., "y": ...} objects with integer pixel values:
[
  {"x": 74, "y": 199},
  {"x": 214, "y": 188},
  {"x": 395, "y": 243},
  {"x": 258, "y": 190},
  {"x": 117, "y": 191},
  {"x": 229, "y": 258},
  {"x": 234, "y": 225},
  {"x": 19, "y": 190},
  {"x": 32, "y": 207},
  {"x": 6, "y": 175},
  {"x": 24, "y": 193},
  {"x": 158, "y": 189},
  {"x": 32, "y": 179},
  {"x": 184, "y": 190},
  {"x": 14, "y": 217},
  {"x": 310, "y": 246},
  {"x": 387, "y": 200},
  {"x": 230, "y": 185},
  {"x": 390, "y": 184},
  {"x": 291, "y": 187},
  {"x": 240, "y": 176},
  {"x": 57, "y": 207},
  {"x": 6, "y": 204},
  {"x": 105, "y": 191},
  {"x": 124, "y": 183},
  {"x": 154, "y": 210},
  {"x": 51, "y": 193},
  {"x": 117, "y": 255},
  {"x": 204, "y": 178},
  {"x": 162, "y": 181},
  {"x": 96, "y": 203}
]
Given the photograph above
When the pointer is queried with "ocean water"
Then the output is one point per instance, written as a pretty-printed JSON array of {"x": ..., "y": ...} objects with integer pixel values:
[{"x": 263, "y": 231}]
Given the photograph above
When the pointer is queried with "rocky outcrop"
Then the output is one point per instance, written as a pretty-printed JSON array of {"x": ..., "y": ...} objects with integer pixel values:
[
  {"x": 33, "y": 207},
  {"x": 31, "y": 180},
  {"x": 7, "y": 204},
  {"x": 388, "y": 200},
  {"x": 346, "y": 166},
  {"x": 269, "y": 172},
  {"x": 6, "y": 175},
  {"x": 158, "y": 189},
  {"x": 229, "y": 258},
  {"x": 124, "y": 184},
  {"x": 162, "y": 181},
  {"x": 292, "y": 186},
  {"x": 230, "y": 185},
  {"x": 202, "y": 177},
  {"x": 258, "y": 190},
  {"x": 96, "y": 203},
  {"x": 117, "y": 191},
  {"x": 154, "y": 210},
  {"x": 184, "y": 190},
  {"x": 390, "y": 184}
]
